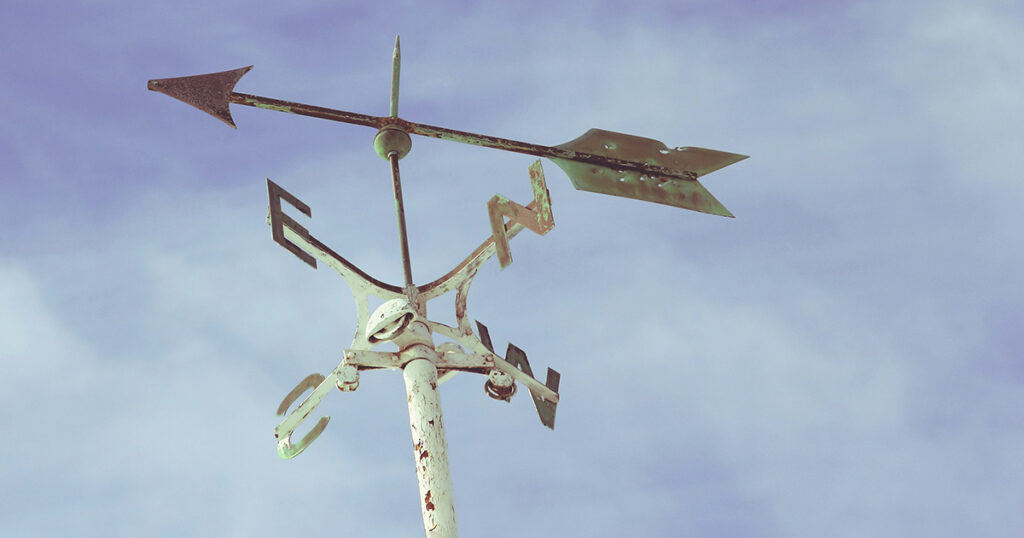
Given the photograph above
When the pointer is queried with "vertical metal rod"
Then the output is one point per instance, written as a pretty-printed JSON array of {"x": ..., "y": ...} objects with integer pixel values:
[
  {"x": 396, "y": 180},
  {"x": 403, "y": 236},
  {"x": 396, "y": 67},
  {"x": 430, "y": 449}
]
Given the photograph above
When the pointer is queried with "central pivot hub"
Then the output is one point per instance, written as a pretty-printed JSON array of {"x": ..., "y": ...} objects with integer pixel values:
[{"x": 392, "y": 140}]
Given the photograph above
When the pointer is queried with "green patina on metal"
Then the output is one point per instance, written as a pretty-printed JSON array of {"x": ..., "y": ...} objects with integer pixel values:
[
  {"x": 396, "y": 68},
  {"x": 536, "y": 216},
  {"x": 248, "y": 100},
  {"x": 649, "y": 184},
  {"x": 686, "y": 194}
]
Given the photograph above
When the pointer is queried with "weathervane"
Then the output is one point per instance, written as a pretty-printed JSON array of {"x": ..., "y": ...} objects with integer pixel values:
[{"x": 599, "y": 161}]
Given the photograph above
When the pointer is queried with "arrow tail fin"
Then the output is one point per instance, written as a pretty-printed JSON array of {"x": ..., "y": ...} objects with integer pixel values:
[
  {"x": 670, "y": 176},
  {"x": 687, "y": 194}
]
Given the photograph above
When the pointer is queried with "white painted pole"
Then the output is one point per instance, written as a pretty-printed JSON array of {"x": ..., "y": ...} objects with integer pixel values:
[{"x": 430, "y": 449}]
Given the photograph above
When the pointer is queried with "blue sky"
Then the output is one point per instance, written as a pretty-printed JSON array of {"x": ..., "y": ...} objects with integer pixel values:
[{"x": 842, "y": 359}]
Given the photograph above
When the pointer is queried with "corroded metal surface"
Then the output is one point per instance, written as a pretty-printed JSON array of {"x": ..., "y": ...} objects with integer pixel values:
[
  {"x": 403, "y": 234},
  {"x": 516, "y": 359},
  {"x": 686, "y": 193},
  {"x": 545, "y": 408},
  {"x": 430, "y": 449},
  {"x": 210, "y": 93},
  {"x": 278, "y": 220},
  {"x": 308, "y": 110}
]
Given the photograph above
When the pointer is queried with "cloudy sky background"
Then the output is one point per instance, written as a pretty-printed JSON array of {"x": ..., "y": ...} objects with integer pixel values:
[{"x": 842, "y": 359}]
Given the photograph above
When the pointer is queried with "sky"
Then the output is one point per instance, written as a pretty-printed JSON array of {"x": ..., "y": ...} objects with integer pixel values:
[{"x": 844, "y": 358}]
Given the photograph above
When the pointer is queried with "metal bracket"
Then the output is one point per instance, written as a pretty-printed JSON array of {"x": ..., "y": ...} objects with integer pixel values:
[{"x": 480, "y": 358}]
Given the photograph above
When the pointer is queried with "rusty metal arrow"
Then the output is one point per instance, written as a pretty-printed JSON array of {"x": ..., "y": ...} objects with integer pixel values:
[
  {"x": 599, "y": 161},
  {"x": 210, "y": 93}
]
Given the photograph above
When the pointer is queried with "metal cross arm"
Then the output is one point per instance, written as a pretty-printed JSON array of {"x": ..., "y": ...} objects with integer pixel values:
[
  {"x": 480, "y": 358},
  {"x": 454, "y": 358},
  {"x": 299, "y": 241},
  {"x": 501, "y": 373}
]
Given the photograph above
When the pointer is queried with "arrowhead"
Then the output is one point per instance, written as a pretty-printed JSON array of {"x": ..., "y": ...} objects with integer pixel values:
[{"x": 210, "y": 93}]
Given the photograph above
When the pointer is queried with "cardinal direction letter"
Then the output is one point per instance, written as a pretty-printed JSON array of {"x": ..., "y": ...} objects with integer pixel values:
[
  {"x": 278, "y": 220},
  {"x": 536, "y": 216}
]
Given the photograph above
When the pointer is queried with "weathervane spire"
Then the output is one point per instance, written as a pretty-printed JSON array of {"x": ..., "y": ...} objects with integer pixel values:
[{"x": 396, "y": 68}]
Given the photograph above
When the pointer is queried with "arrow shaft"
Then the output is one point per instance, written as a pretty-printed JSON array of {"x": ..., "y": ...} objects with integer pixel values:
[
  {"x": 550, "y": 152},
  {"x": 307, "y": 110},
  {"x": 537, "y": 150},
  {"x": 453, "y": 135}
]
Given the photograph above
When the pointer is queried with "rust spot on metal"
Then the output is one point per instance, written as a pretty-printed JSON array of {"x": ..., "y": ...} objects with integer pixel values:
[
  {"x": 460, "y": 309},
  {"x": 291, "y": 107},
  {"x": 424, "y": 454},
  {"x": 433, "y": 385},
  {"x": 427, "y": 502}
]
